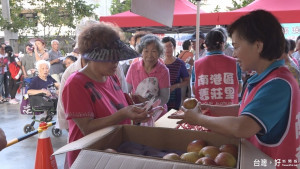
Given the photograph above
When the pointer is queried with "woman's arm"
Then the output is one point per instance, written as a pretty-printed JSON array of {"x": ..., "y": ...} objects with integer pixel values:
[
  {"x": 45, "y": 56},
  {"x": 185, "y": 82},
  {"x": 57, "y": 85},
  {"x": 241, "y": 126},
  {"x": 89, "y": 125},
  {"x": 35, "y": 92},
  {"x": 219, "y": 110},
  {"x": 24, "y": 72},
  {"x": 164, "y": 95}
]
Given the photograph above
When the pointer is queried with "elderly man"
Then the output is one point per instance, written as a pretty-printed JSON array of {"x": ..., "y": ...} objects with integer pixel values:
[
  {"x": 55, "y": 55},
  {"x": 202, "y": 51}
]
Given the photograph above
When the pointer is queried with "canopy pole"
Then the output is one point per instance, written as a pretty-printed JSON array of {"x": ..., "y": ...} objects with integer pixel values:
[{"x": 197, "y": 29}]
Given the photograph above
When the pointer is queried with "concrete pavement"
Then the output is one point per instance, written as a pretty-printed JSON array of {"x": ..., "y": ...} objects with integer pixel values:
[{"x": 22, "y": 155}]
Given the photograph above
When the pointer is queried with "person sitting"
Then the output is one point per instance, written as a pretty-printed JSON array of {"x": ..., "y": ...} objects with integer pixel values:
[
  {"x": 92, "y": 97},
  {"x": 40, "y": 83}
]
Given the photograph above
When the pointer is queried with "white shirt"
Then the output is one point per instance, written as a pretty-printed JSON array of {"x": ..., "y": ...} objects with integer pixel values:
[
  {"x": 61, "y": 121},
  {"x": 296, "y": 55}
]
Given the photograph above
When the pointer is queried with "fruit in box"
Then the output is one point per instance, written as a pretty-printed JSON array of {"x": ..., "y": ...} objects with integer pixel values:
[
  {"x": 229, "y": 148},
  {"x": 172, "y": 156},
  {"x": 196, "y": 146},
  {"x": 190, "y": 157},
  {"x": 110, "y": 150},
  {"x": 225, "y": 159},
  {"x": 209, "y": 151},
  {"x": 205, "y": 161}
]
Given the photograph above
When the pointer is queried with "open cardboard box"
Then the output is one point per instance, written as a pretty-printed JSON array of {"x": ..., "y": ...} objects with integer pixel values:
[{"x": 92, "y": 155}]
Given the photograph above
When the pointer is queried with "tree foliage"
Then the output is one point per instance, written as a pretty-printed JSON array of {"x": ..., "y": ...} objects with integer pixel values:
[
  {"x": 118, "y": 7},
  {"x": 25, "y": 15},
  {"x": 240, "y": 3}
]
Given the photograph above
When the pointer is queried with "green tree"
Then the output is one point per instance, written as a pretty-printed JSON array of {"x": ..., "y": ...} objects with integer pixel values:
[
  {"x": 217, "y": 9},
  {"x": 49, "y": 13},
  {"x": 240, "y": 3},
  {"x": 118, "y": 7}
]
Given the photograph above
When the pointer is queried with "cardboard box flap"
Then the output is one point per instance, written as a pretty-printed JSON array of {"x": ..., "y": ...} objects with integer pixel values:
[
  {"x": 250, "y": 154},
  {"x": 164, "y": 121},
  {"x": 86, "y": 141},
  {"x": 94, "y": 160}
]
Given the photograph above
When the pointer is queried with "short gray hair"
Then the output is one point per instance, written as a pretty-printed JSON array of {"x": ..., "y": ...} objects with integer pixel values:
[
  {"x": 40, "y": 62},
  {"x": 223, "y": 31},
  {"x": 54, "y": 40},
  {"x": 149, "y": 39}
]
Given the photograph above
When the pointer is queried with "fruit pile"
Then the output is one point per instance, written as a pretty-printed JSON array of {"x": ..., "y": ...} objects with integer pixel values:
[{"x": 200, "y": 153}]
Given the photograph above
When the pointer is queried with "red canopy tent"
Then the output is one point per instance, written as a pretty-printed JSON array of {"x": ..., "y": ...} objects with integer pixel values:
[
  {"x": 286, "y": 11},
  {"x": 184, "y": 20}
]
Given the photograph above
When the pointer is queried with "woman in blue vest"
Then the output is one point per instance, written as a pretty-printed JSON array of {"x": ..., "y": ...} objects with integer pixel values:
[{"x": 268, "y": 114}]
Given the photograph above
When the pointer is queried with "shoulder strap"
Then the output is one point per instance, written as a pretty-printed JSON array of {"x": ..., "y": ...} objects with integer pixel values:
[{"x": 183, "y": 54}]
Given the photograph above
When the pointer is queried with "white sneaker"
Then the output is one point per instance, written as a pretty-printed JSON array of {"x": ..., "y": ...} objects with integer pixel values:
[{"x": 13, "y": 101}]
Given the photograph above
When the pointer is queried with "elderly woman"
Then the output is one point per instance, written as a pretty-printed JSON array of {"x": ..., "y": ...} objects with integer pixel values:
[
  {"x": 148, "y": 78},
  {"x": 179, "y": 76},
  {"x": 40, "y": 83},
  {"x": 92, "y": 97}
]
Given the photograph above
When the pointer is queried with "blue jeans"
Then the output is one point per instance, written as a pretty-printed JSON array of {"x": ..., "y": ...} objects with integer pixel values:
[{"x": 1, "y": 84}]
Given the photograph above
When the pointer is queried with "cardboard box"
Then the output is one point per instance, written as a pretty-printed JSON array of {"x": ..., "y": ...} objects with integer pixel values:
[
  {"x": 164, "y": 121},
  {"x": 92, "y": 155}
]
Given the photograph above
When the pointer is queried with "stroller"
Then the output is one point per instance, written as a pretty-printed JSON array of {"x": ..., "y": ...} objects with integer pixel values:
[{"x": 39, "y": 104}]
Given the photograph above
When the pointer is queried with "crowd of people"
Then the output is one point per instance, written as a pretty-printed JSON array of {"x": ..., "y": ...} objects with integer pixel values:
[
  {"x": 110, "y": 81},
  {"x": 18, "y": 69}
]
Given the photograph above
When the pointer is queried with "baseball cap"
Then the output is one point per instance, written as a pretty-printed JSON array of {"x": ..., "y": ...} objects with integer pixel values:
[{"x": 193, "y": 36}]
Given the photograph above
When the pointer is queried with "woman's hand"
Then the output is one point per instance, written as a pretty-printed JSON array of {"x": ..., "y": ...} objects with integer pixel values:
[
  {"x": 188, "y": 116},
  {"x": 136, "y": 113},
  {"x": 207, "y": 109},
  {"x": 138, "y": 99},
  {"x": 47, "y": 92},
  {"x": 173, "y": 87},
  {"x": 35, "y": 49}
]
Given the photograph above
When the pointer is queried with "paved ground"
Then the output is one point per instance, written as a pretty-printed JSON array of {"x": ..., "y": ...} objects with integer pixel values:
[{"x": 22, "y": 155}]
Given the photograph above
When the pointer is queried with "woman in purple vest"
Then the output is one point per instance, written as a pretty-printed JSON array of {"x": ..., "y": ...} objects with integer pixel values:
[{"x": 268, "y": 114}]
